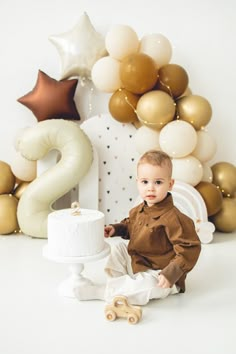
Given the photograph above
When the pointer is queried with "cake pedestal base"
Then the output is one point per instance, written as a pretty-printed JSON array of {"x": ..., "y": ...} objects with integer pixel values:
[
  {"x": 75, "y": 280},
  {"x": 76, "y": 266}
]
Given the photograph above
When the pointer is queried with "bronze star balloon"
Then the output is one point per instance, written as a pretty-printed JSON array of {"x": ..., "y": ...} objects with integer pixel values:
[{"x": 51, "y": 98}]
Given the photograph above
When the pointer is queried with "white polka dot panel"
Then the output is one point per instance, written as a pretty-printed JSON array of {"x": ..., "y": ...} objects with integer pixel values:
[{"x": 118, "y": 157}]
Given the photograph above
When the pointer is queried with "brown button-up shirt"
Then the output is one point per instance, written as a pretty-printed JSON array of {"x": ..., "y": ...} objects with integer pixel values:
[{"x": 161, "y": 237}]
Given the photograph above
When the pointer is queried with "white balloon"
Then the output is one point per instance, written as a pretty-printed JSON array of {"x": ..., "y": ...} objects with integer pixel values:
[
  {"x": 106, "y": 74},
  {"x": 79, "y": 48},
  {"x": 206, "y": 146},
  {"x": 178, "y": 138},
  {"x": 146, "y": 139},
  {"x": 207, "y": 173},
  {"x": 121, "y": 41},
  {"x": 187, "y": 169},
  {"x": 158, "y": 47},
  {"x": 76, "y": 158}
]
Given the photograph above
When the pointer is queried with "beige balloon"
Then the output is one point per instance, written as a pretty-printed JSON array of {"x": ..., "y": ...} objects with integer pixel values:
[
  {"x": 8, "y": 218},
  {"x": 207, "y": 173},
  {"x": 158, "y": 47},
  {"x": 7, "y": 178},
  {"x": 155, "y": 109},
  {"x": 171, "y": 138},
  {"x": 121, "y": 41},
  {"x": 105, "y": 74},
  {"x": 146, "y": 139},
  {"x": 194, "y": 109},
  {"x": 225, "y": 220},
  {"x": 206, "y": 146},
  {"x": 187, "y": 169}
]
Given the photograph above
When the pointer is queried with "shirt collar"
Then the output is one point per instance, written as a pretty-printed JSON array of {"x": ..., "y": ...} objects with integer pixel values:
[{"x": 157, "y": 209}]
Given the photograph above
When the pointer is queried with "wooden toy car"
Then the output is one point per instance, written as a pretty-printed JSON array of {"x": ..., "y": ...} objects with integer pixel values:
[{"x": 121, "y": 308}]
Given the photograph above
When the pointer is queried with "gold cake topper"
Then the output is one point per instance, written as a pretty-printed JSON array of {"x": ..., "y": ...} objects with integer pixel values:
[{"x": 76, "y": 208}]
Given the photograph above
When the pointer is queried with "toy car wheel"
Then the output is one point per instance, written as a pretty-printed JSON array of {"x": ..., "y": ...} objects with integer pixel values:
[
  {"x": 110, "y": 315},
  {"x": 132, "y": 318}
]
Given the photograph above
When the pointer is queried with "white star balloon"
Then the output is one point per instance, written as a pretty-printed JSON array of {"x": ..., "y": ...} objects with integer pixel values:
[{"x": 79, "y": 49}]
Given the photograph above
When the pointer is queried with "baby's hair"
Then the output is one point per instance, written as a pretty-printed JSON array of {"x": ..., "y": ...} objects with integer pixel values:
[{"x": 156, "y": 158}]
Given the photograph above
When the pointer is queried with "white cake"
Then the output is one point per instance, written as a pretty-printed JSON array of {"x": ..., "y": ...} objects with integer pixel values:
[{"x": 75, "y": 235}]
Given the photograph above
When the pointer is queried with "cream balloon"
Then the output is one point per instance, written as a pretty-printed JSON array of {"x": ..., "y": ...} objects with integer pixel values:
[
  {"x": 121, "y": 41},
  {"x": 187, "y": 169},
  {"x": 178, "y": 138},
  {"x": 158, "y": 47},
  {"x": 206, "y": 146},
  {"x": 207, "y": 173},
  {"x": 76, "y": 158},
  {"x": 79, "y": 48},
  {"x": 146, "y": 139},
  {"x": 106, "y": 74}
]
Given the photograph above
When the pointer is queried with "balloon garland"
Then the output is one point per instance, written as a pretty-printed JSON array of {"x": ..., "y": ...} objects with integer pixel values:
[
  {"x": 150, "y": 92},
  {"x": 147, "y": 88}
]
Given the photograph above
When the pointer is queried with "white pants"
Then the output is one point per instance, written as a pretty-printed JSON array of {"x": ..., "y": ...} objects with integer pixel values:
[{"x": 139, "y": 288}]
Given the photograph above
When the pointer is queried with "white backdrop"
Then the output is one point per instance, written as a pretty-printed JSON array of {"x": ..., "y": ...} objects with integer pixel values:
[{"x": 202, "y": 34}]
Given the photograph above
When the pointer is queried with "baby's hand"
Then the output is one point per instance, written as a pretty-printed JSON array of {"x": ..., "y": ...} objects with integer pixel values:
[
  {"x": 109, "y": 231},
  {"x": 163, "y": 282}
]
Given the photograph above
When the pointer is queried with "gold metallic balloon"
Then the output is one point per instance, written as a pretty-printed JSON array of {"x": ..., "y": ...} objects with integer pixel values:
[
  {"x": 137, "y": 124},
  {"x": 7, "y": 178},
  {"x": 19, "y": 190},
  {"x": 173, "y": 79},
  {"x": 122, "y": 106},
  {"x": 138, "y": 73},
  {"x": 195, "y": 110},
  {"x": 8, "y": 217},
  {"x": 224, "y": 177},
  {"x": 18, "y": 181},
  {"x": 211, "y": 195},
  {"x": 155, "y": 109},
  {"x": 187, "y": 92},
  {"x": 225, "y": 219}
]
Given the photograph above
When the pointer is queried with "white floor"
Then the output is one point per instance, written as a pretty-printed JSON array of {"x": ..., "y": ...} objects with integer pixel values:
[{"x": 34, "y": 319}]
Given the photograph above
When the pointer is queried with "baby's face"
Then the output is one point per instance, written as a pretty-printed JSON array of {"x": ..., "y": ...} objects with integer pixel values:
[{"x": 153, "y": 182}]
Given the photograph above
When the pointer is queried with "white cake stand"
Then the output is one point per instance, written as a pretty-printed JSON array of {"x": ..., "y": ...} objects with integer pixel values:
[{"x": 76, "y": 266}]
